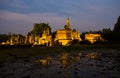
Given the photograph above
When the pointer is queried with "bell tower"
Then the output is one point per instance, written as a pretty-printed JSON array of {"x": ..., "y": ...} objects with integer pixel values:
[{"x": 67, "y": 26}]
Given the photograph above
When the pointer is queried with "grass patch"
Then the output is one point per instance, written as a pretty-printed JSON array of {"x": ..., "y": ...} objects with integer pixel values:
[
  {"x": 91, "y": 47},
  {"x": 19, "y": 53}
]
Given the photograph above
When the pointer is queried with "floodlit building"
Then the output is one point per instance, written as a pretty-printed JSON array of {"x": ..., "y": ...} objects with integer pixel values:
[
  {"x": 63, "y": 37},
  {"x": 16, "y": 39},
  {"x": 92, "y": 38},
  {"x": 66, "y": 35},
  {"x": 45, "y": 39},
  {"x": 29, "y": 39}
]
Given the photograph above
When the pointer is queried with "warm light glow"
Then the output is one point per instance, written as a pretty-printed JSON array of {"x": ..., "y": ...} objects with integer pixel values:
[
  {"x": 45, "y": 61},
  {"x": 93, "y": 37},
  {"x": 65, "y": 36}
]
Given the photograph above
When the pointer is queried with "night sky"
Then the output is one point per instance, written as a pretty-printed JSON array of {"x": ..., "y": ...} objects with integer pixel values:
[{"x": 18, "y": 16}]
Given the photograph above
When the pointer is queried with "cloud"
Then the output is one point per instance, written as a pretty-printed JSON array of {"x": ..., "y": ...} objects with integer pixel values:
[
  {"x": 14, "y": 5},
  {"x": 19, "y": 23},
  {"x": 20, "y": 15},
  {"x": 19, "y": 4},
  {"x": 23, "y": 23},
  {"x": 13, "y": 16}
]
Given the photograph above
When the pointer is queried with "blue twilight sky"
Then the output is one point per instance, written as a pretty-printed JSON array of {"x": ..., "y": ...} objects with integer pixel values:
[{"x": 18, "y": 16}]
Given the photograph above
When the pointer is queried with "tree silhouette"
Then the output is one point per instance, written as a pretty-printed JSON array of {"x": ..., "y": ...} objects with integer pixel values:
[
  {"x": 116, "y": 31},
  {"x": 106, "y": 34},
  {"x": 4, "y": 37},
  {"x": 39, "y": 28}
]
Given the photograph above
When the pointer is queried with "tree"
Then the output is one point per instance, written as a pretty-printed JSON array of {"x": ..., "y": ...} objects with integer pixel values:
[
  {"x": 83, "y": 35},
  {"x": 4, "y": 37},
  {"x": 106, "y": 34},
  {"x": 53, "y": 35},
  {"x": 116, "y": 31},
  {"x": 39, "y": 28}
]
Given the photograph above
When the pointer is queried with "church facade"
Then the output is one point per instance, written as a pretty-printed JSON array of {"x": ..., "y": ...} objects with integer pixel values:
[{"x": 66, "y": 35}]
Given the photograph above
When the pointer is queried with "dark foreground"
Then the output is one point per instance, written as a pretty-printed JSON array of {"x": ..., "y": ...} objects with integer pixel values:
[{"x": 60, "y": 62}]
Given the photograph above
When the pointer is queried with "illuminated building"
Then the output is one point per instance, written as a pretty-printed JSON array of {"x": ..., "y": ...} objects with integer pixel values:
[
  {"x": 16, "y": 39},
  {"x": 63, "y": 37},
  {"x": 45, "y": 39},
  {"x": 66, "y": 35},
  {"x": 92, "y": 38}
]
